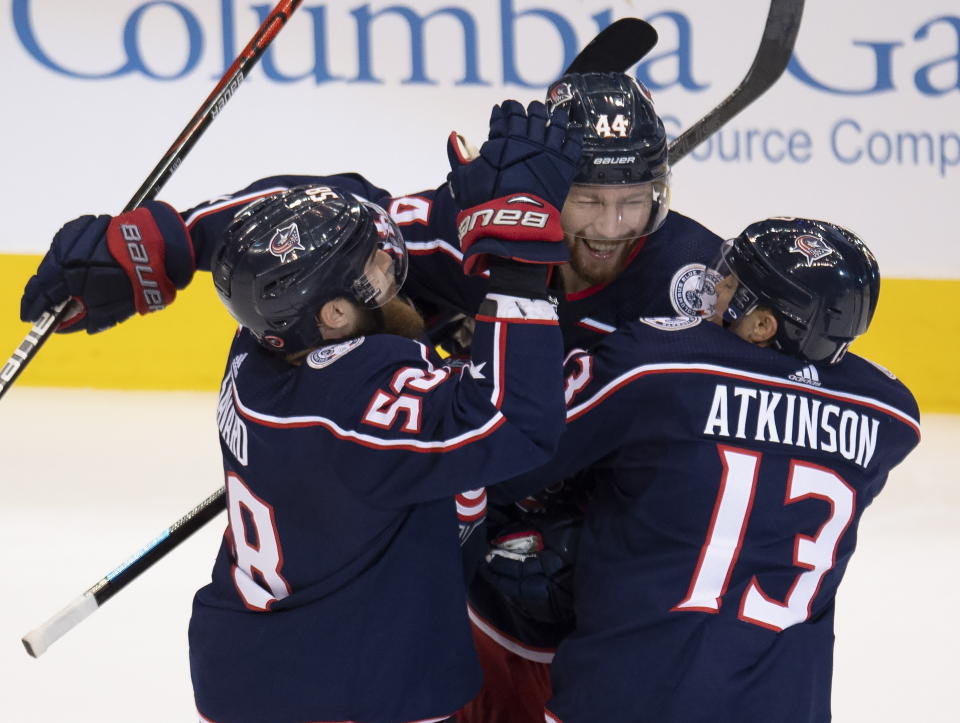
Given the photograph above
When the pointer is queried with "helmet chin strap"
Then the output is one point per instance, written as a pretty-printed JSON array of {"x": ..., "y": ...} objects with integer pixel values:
[{"x": 840, "y": 352}]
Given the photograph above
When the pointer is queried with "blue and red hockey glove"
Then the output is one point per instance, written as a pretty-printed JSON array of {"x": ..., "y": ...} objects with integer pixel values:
[
  {"x": 511, "y": 194},
  {"x": 112, "y": 267}
]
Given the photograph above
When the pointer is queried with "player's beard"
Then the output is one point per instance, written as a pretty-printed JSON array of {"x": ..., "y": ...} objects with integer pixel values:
[
  {"x": 597, "y": 263},
  {"x": 397, "y": 317}
]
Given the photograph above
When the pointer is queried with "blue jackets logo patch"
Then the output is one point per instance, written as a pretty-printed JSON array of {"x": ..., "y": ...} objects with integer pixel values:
[
  {"x": 327, "y": 355},
  {"x": 686, "y": 288}
]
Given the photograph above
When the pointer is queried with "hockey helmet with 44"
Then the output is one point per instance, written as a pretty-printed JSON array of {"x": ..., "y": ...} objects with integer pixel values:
[
  {"x": 624, "y": 140},
  {"x": 622, "y": 187}
]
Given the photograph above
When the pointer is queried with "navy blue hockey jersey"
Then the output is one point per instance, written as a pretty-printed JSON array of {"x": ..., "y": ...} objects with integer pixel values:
[
  {"x": 730, "y": 480},
  {"x": 660, "y": 278},
  {"x": 337, "y": 594}
]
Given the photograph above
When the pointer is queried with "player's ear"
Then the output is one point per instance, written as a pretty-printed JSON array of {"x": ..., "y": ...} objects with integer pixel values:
[
  {"x": 336, "y": 318},
  {"x": 763, "y": 326}
]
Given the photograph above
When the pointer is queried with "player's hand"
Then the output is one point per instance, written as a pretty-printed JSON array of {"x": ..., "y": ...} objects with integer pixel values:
[
  {"x": 532, "y": 567},
  {"x": 112, "y": 267},
  {"x": 512, "y": 193}
]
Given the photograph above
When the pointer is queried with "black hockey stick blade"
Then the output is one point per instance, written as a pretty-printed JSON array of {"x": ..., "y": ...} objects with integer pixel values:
[
  {"x": 615, "y": 48},
  {"x": 772, "y": 58}
]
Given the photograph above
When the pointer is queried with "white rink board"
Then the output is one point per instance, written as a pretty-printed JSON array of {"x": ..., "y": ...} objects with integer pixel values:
[
  {"x": 126, "y": 465},
  {"x": 875, "y": 147}
]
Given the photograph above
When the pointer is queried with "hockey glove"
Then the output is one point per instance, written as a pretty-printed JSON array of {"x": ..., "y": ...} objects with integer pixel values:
[
  {"x": 532, "y": 566},
  {"x": 112, "y": 267},
  {"x": 511, "y": 194}
]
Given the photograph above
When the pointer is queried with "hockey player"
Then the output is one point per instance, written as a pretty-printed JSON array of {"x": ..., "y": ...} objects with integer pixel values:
[
  {"x": 630, "y": 256},
  {"x": 337, "y": 594},
  {"x": 733, "y": 462}
]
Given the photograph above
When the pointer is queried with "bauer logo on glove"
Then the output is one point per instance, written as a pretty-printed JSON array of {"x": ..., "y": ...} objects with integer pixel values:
[
  {"x": 497, "y": 225},
  {"x": 139, "y": 265},
  {"x": 505, "y": 216},
  {"x": 111, "y": 267}
]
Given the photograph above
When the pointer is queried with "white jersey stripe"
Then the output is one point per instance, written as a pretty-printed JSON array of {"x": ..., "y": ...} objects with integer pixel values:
[
  {"x": 596, "y": 325},
  {"x": 643, "y": 370},
  {"x": 242, "y": 199},
  {"x": 496, "y": 396},
  {"x": 537, "y": 655},
  {"x": 202, "y": 719},
  {"x": 368, "y": 440},
  {"x": 438, "y": 244},
  {"x": 472, "y": 504}
]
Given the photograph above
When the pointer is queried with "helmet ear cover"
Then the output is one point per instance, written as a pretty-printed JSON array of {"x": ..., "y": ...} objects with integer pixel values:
[{"x": 284, "y": 256}]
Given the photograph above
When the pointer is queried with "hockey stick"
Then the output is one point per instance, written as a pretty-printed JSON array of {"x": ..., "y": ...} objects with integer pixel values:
[
  {"x": 773, "y": 55},
  {"x": 595, "y": 55},
  {"x": 38, "y": 640},
  {"x": 50, "y": 319},
  {"x": 615, "y": 48}
]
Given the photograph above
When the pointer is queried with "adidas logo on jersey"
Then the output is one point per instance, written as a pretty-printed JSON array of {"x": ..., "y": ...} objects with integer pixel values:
[{"x": 807, "y": 375}]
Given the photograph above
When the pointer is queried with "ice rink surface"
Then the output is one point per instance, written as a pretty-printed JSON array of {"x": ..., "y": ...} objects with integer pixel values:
[{"x": 89, "y": 477}]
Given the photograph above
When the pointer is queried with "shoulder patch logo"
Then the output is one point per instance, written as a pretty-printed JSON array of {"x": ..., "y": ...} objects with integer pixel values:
[
  {"x": 685, "y": 289},
  {"x": 670, "y": 323},
  {"x": 327, "y": 355},
  {"x": 807, "y": 375},
  {"x": 881, "y": 368}
]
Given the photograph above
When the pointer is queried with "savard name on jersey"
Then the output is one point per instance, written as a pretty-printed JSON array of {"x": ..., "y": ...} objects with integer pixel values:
[{"x": 233, "y": 430}]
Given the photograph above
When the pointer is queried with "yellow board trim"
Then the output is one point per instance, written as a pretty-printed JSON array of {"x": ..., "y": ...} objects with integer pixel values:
[
  {"x": 914, "y": 334},
  {"x": 183, "y": 347}
]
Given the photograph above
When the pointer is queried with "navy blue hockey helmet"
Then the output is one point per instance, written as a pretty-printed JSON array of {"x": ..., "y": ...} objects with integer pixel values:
[
  {"x": 284, "y": 256},
  {"x": 624, "y": 140},
  {"x": 820, "y": 280}
]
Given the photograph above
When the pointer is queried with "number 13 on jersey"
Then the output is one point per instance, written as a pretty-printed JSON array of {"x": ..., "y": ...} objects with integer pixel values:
[{"x": 728, "y": 526}]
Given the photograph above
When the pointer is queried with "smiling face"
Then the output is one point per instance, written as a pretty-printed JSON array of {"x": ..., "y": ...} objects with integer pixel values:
[{"x": 602, "y": 225}]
